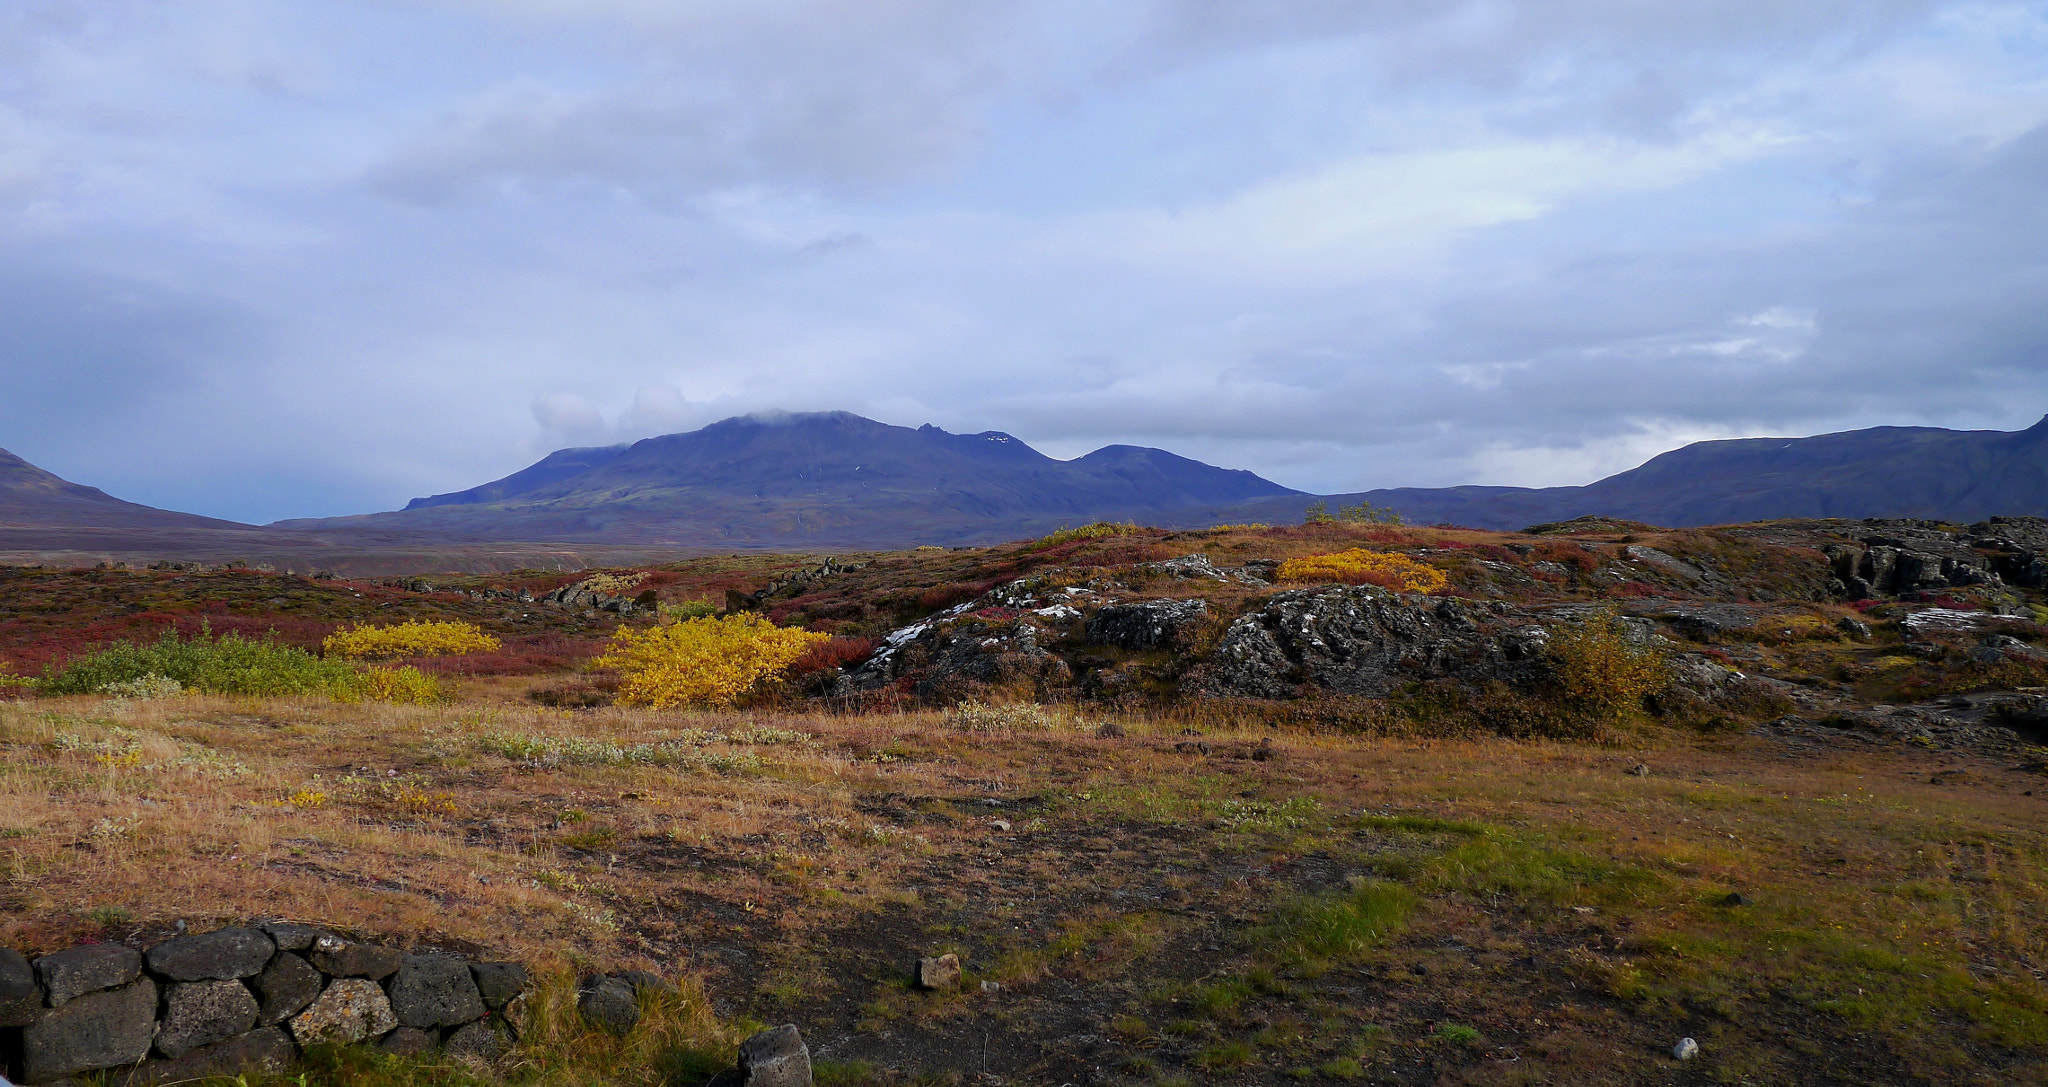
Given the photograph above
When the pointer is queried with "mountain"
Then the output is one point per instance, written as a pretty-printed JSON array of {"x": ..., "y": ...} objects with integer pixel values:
[
  {"x": 816, "y": 479},
  {"x": 31, "y": 498},
  {"x": 1951, "y": 475}
]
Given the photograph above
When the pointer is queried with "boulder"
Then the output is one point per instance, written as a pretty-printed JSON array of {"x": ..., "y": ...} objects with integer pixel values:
[
  {"x": 409, "y": 1042},
  {"x": 609, "y": 1003},
  {"x": 73, "y": 972},
  {"x": 942, "y": 972},
  {"x": 212, "y": 956},
  {"x": 289, "y": 936},
  {"x": 20, "y": 999},
  {"x": 519, "y": 1013},
  {"x": 285, "y": 987},
  {"x": 776, "y": 1058},
  {"x": 481, "y": 1040},
  {"x": 645, "y": 982},
  {"x": 103, "y": 1029},
  {"x": 1363, "y": 641},
  {"x": 265, "y": 1050},
  {"x": 198, "y": 1013},
  {"x": 350, "y": 1010},
  {"x": 355, "y": 960},
  {"x": 498, "y": 982},
  {"x": 1153, "y": 624},
  {"x": 435, "y": 991}
]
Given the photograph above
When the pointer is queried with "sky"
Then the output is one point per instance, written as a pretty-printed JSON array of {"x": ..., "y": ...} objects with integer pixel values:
[{"x": 283, "y": 258}]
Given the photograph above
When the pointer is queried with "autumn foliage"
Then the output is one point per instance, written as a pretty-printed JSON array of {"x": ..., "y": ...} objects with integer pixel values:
[
  {"x": 412, "y": 638},
  {"x": 702, "y": 662},
  {"x": 1358, "y": 566}
]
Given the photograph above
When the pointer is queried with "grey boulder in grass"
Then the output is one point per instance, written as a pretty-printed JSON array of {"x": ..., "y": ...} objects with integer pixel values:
[
  {"x": 435, "y": 991},
  {"x": 103, "y": 1029},
  {"x": 776, "y": 1058},
  {"x": 221, "y": 955},
  {"x": 198, "y": 1013},
  {"x": 76, "y": 971}
]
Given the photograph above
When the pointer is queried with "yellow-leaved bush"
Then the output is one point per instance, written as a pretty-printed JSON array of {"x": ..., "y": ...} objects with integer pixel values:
[
  {"x": 412, "y": 638},
  {"x": 1602, "y": 670},
  {"x": 406, "y": 686},
  {"x": 702, "y": 662},
  {"x": 1358, "y": 566}
]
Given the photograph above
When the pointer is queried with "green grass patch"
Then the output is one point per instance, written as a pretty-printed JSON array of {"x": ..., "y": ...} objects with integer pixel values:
[{"x": 229, "y": 664}]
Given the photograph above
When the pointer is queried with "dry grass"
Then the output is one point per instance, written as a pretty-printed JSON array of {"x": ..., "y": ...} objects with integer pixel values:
[{"x": 787, "y": 865}]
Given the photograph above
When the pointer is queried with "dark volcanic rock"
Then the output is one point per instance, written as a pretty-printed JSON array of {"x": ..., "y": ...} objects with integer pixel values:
[
  {"x": 776, "y": 1058},
  {"x": 481, "y": 1040},
  {"x": 20, "y": 999},
  {"x": 1154, "y": 624},
  {"x": 217, "y": 956},
  {"x": 103, "y": 1029},
  {"x": 79, "y": 970},
  {"x": 264, "y": 1050},
  {"x": 198, "y": 1013},
  {"x": 609, "y": 1003},
  {"x": 357, "y": 961},
  {"x": 435, "y": 991},
  {"x": 285, "y": 988},
  {"x": 1363, "y": 641},
  {"x": 952, "y": 656},
  {"x": 409, "y": 1042},
  {"x": 289, "y": 936},
  {"x": 498, "y": 982}
]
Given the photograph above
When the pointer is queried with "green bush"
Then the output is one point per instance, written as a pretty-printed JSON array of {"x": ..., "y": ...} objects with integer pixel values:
[{"x": 229, "y": 664}]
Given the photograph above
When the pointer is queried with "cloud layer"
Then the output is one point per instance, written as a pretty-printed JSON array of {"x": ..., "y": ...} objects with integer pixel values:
[{"x": 269, "y": 259}]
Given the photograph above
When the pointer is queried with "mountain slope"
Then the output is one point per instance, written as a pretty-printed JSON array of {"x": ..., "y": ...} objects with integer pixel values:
[
  {"x": 1951, "y": 475},
  {"x": 30, "y": 496},
  {"x": 817, "y": 479}
]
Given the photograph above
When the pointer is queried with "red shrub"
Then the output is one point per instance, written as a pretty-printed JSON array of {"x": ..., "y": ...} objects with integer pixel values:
[{"x": 837, "y": 653}]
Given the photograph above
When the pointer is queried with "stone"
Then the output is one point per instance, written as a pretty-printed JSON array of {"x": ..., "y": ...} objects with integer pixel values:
[
  {"x": 20, "y": 998},
  {"x": 645, "y": 982},
  {"x": 1154, "y": 624},
  {"x": 518, "y": 1014},
  {"x": 221, "y": 955},
  {"x": 290, "y": 936},
  {"x": 350, "y": 1010},
  {"x": 103, "y": 1029},
  {"x": 608, "y": 1003},
  {"x": 498, "y": 982},
  {"x": 1363, "y": 641},
  {"x": 1733, "y": 898},
  {"x": 1000, "y": 826},
  {"x": 776, "y": 1058},
  {"x": 1110, "y": 730},
  {"x": 481, "y": 1040},
  {"x": 1641, "y": 770},
  {"x": 198, "y": 1013},
  {"x": 1686, "y": 1049},
  {"x": 435, "y": 991},
  {"x": 409, "y": 1042},
  {"x": 76, "y": 971},
  {"x": 265, "y": 1050},
  {"x": 942, "y": 972},
  {"x": 1855, "y": 628},
  {"x": 356, "y": 961},
  {"x": 285, "y": 987}
]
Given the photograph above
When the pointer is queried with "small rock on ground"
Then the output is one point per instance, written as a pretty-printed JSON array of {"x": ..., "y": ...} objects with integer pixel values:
[
  {"x": 942, "y": 972},
  {"x": 776, "y": 1058}
]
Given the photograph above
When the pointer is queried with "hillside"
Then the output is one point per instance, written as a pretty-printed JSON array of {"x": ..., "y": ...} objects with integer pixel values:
[
  {"x": 1930, "y": 472},
  {"x": 821, "y": 479}
]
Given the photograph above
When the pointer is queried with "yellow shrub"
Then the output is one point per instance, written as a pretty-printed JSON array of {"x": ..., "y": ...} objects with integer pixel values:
[
  {"x": 704, "y": 662},
  {"x": 1359, "y": 566},
  {"x": 1600, "y": 672},
  {"x": 407, "y": 685},
  {"x": 411, "y": 638}
]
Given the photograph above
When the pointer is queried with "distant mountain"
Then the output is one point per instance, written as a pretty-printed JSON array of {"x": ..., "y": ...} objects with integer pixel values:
[
  {"x": 817, "y": 479},
  {"x": 1952, "y": 475},
  {"x": 33, "y": 498}
]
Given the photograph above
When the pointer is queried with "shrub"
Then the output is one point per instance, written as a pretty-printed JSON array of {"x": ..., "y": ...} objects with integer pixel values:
[
  {"x": 1098, "y": 530},
  {"x": 688, "y": 609},
  {"x": 412, "y": 638},
  {"x": 1365, "y": 513},
  {"x": 229, "y": 664},
  {"x": 1599, "y": 670},
  {"x": 147, "y": 688},
  {"x": 708, "y": 662},
  {"x": 408, "y": 686},
  {"x": 1361, "y": 567}
]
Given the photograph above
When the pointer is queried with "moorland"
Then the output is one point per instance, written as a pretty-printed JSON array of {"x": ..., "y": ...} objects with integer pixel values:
[{"x": 1201, "y": 806}]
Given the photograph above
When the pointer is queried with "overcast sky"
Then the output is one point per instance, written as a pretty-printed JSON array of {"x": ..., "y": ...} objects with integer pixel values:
[{"x": 262, "y": 259}]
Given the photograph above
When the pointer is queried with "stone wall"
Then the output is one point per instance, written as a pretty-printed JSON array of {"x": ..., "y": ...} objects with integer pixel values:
[{"x": 244, "y": 999}]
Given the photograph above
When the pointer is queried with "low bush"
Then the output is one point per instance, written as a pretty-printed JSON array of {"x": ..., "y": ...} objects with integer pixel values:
[
  {"x": 407, "y": 686},
  {"x": 1599, "y": 669},
  {"x": 972, "y": 716},
  {"x": 229, "y": 664},
  {"x": 1358, "y": 566},
  {"x": 147, "y": 688},
  {"x": 1098, "y": 530},
  {"x": 703, "y": 662},
  {"x": 412, "y": 638}
]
